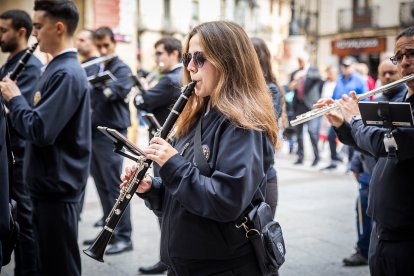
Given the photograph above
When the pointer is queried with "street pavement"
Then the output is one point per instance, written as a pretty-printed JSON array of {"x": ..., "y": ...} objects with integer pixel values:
[{"x": 316, "y": 210}]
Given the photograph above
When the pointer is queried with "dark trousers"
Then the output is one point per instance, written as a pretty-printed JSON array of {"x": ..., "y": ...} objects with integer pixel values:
[
  {"x": 390, "y": 257},
  {"x": 25, "y": 254},
  {"x": 332, "y": 144},
  {"x": 56, "y": 227},
  {"x": 247, "y": 267},
  {"x": 106, "y": 168},
  {"x": 313, "y": 130},
  {"x": 363, "y": 221}
]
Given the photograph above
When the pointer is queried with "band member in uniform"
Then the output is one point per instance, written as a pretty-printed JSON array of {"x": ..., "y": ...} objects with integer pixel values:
[
  {"x": 110, "y": 109},
  {"x": 238, "y": 136},
  {"x": 58, "y": 133},
  {"x": 160, "y": 98},
  {"x": 4, "y": 181},
  {"x": 15, "y": 30},
  {"x": 390, "y": 202},
  {"x": 87, "y": 50}
]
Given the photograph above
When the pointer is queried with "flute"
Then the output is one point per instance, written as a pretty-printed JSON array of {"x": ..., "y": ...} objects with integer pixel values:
[
  {"x": 317, "y": 112},
  {"x": 97, "y": 249}
]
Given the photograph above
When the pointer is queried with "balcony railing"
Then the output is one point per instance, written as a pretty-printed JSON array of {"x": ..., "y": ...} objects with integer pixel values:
[
  {"x": 407, "y": 14},
  {"x": 358, "y": 18}
]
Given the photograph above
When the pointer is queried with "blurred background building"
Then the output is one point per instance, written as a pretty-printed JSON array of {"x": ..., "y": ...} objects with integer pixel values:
[{"x": 327, "y": 29}]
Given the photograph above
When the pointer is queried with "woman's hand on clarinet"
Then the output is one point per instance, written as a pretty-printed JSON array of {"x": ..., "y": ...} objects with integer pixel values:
[
  {"x": 145, "y": 184},
  {"x": 159, "y": 151},
  {"x": 9, "y": 89}
]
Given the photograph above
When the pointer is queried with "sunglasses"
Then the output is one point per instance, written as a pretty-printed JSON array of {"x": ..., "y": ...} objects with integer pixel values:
[{"x": 198, "y": 59}]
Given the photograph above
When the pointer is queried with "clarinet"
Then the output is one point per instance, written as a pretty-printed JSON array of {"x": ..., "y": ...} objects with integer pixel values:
[
  {"x": 14, "y": 75},
  {"x": 97, "y": 249}
]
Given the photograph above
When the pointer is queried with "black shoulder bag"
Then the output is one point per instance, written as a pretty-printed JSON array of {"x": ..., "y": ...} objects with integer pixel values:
[{"x": 264, "y": 233}]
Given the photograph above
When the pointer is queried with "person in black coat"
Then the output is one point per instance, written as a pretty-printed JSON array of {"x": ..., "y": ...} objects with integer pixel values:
[
  {"x": 390, "y": 202},
  {"x": 160, "y": 98},
  {"x": 4, "y": 181},
  {"x": 307, "y": 84},
  {"x": 56, "y": 125},
  {"x": 110, "y": 109},
  {"x": 16, "y": 27},
  {"x": 238, "y": 137}
]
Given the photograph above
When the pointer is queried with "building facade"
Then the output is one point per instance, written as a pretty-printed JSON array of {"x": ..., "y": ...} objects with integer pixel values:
[{"x": 365, "y": 29}]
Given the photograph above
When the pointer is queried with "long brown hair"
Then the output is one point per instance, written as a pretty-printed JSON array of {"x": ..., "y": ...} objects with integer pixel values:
[
  {"x": 265, "y": 60},
  {"x": 241, "y": 93}
]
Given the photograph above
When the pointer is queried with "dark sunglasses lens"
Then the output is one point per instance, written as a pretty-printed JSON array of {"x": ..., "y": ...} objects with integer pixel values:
[
  {"x": 198, "y": 59},
  {"x": 186, "y": 59}
]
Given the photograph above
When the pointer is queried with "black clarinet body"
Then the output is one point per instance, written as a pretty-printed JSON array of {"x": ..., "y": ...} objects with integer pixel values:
[
  {"x": 97, "y": 249},
  {"x": 14, "y": 75}
]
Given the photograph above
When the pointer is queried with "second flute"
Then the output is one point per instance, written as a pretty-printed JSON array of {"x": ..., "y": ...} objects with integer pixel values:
[{"x": 317, "y": 112}]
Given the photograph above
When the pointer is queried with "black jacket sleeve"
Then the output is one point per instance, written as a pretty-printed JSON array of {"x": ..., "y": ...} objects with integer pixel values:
[
  {"x": 160, "y": 95},
  {"x": 42, "y": 124},
  {"x": 120, "y": 88},
  {"x": 371, "y": 139}
]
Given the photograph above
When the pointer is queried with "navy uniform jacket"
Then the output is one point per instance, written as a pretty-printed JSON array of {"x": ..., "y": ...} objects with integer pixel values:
[
  {"x": 345, "y": 136},
  {"x": 4, "y": 180},
  {"x": 109, "y": 105},
  {"x": 91, "y": 69},
  {"x": 26, "y": 83},
  {"x": 58, "y": 131},
  {"x": 199, "y": 212},
  {"x": 159, "y": 99},
  {"x": 391, "y": 192}
]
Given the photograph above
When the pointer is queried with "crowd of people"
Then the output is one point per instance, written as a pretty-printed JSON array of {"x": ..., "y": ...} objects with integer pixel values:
[{"x": 50, "y": 143}]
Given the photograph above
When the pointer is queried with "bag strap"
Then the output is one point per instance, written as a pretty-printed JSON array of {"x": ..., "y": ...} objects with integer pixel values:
[{"x": 199, "y": 157}]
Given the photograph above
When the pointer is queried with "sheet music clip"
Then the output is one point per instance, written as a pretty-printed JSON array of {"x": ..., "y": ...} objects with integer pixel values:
[
  {"x": 101, "y": 78},
  {"x": 388, "y": 115},
  {"x": 151, "y": 122},
  {"x": 121, "y": 144}
]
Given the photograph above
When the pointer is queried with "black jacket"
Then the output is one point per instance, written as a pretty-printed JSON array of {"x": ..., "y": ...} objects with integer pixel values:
[
  {"x": 312, "y": 90},
  {"x": 109, "y": 103},
  {"x": 160, "y": 98},
  {"x": 199, "y": 212},
  {"x": 57, "y": 130},
  {"x": 391, "y": 193}
]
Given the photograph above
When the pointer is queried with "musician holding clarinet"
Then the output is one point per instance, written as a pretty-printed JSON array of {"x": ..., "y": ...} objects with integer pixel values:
[
  {"x": 15, "y": 29},
  {"x": 57, "y": 129},
  {"x": 110, "y": 109},
  {"x": 391, "y": 192},
  {"x": 237, "y": 133}
]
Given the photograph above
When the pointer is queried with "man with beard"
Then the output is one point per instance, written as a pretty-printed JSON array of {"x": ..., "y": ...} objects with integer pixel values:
[{"x": 15, "y": 30}]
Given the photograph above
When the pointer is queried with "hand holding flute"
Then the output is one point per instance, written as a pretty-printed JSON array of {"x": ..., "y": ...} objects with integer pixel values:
[{"x": 348, "y": 107}]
